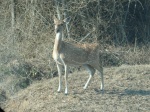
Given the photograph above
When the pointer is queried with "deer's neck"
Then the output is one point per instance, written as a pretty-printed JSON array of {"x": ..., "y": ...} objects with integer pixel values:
[{"x": 58, "y": 41}]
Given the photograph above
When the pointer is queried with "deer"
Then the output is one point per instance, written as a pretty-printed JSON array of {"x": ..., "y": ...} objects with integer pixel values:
[{"x": 67, "y": 54}]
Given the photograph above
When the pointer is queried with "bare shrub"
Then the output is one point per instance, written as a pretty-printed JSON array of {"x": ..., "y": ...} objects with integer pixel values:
[{"x": 27, "y": 43}]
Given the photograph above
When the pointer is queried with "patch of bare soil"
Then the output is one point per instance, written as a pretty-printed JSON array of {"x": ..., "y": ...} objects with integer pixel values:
[{"x": 127, "y": 89}]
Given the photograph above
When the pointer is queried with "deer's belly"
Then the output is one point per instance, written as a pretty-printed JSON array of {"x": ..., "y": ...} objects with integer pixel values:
[
  {"x": 73, "y": 60},
  {"x": 70, "y": 59}
]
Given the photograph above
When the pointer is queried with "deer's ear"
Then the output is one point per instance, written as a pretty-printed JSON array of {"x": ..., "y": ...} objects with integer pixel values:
[{"x": 66, "y": 20}]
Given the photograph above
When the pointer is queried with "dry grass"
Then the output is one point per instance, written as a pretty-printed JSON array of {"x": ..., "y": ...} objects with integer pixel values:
[
  {"x": 126, "y": 89},
  {"x": 25, "y": 55}
]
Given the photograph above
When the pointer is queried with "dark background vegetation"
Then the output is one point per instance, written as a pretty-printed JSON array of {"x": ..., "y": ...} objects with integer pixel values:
[{"x": 121, "y": 27}]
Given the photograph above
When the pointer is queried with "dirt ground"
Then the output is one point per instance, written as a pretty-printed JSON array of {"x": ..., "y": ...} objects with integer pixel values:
[{"x": 127, "y": 89}]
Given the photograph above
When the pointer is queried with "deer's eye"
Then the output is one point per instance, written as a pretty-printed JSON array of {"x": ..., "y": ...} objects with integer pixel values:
[{"x": 61, "y": 24}]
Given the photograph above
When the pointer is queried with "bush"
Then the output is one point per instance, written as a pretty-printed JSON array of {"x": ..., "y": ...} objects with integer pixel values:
[{"x": 27, "y": 38}]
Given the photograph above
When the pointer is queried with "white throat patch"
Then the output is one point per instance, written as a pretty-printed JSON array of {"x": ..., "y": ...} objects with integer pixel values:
[{"x": 58, "y": 36}]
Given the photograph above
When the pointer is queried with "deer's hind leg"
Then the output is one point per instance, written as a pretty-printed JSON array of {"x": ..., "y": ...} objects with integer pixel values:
[
  {"x": 100, "y": 72},
  {"x": 91, "y": 72}
]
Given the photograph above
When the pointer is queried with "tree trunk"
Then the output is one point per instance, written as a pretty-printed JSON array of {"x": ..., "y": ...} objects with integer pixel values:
[
  {"x": 32, "y": 17},
  {"x": 12, "y": 15}
]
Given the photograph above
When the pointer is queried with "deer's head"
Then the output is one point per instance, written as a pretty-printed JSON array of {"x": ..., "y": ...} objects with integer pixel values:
[{"x": 59, "y": 24}]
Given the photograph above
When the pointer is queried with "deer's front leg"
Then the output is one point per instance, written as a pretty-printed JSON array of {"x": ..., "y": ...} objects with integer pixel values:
[
  {"x": 66, "y": 77},
  {"x": 59, "y": 68}
]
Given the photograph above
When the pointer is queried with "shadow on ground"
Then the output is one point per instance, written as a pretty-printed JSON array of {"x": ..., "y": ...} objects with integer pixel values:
[
  {"x": 129, "y": 92},
  {"x": 137, "y": 92}
]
